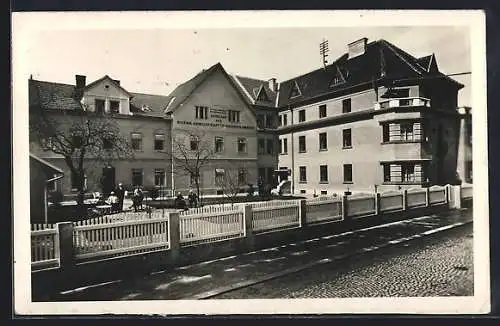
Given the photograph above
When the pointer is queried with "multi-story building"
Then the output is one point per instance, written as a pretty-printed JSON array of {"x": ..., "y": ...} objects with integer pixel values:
[
  {"x": 375, "y": 118},
  {"x": 139, "y": 117}
]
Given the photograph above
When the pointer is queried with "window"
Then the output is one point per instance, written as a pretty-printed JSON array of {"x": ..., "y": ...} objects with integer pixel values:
[
  {"x": 302, "y": 115},
  {"x": 261, "y": 144},
  {"x": 99, "y": 106},
  {"x": 302, "y": 174},
  {"x": 385, "y": 133},
  {"x": 114, "y": 106},
  {"x": 201, "y": 112},
  {"x": 324, "y": 192},
  {"x": 136, "y": 141},
  {"x": 233, "y": 116},
  {"x": 284, "y": 146},
  {"x": 302, "y": 191},
  {"x": 387, "y": 173},
  {"x": 285, "y": 119},
  {"x": 160, "y": 177},
  {"x": 137, "y": 177},
  {"x": 242, "y": 176},
  {"x": 347, "y": 173},
  {"x": 270, "y": 146},
  {"x": 52, "y": 186},
  {"x": 194, "y": 179},
  {"x": 295, "y": 91},
  {"x": 159, "y": 142},
  {"x": 302, "y": 144},
  {"x": 219, "y": 176},
  {"x": 408, "y": 172},
  {"x": 242, "y": 145},
  {"x": 406, "y": 131},
  {"x": 323, "y": 173},
  {"x": 219, "y": 144},
  {"x": 322, "y": 111},
  {"x": 194, "y": 143},
  {"x": 270, "y": 121},
  {"x": 346, "y": 105},
  {"x": 346, "y": 138},
  {"x": 323, "y": 145},
  {"x": 107, "y": 143}
]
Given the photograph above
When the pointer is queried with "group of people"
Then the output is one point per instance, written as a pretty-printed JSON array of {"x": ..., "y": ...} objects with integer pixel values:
[
  {"x": 180, "y": 203},
  {"x": 115, "y": 199}
]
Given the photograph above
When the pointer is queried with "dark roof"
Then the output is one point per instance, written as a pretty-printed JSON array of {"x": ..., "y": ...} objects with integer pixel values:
[
  {"x": 250, "y": 88},
  {"x": 50, "y": 95},
  {"x": 46, "y": 166},
  {"x": 425, "y": 61},
  {"x": 380, "y": 56},
  {"x": 184, "y": 90},
  {"x": 153, "y": 104}
]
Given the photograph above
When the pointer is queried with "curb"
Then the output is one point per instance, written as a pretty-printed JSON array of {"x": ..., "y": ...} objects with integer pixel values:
[{"x": 324, "y": 261}]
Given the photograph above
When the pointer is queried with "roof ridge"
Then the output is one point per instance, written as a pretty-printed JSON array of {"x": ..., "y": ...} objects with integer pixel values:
[
  {"x": 49, "y": 82},
  {"x": 395, "y": 49}
]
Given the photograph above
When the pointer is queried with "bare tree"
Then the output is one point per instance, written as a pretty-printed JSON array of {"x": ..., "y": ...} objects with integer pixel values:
[
  {"x": 76, "y": 134},
  {"x": 232, "y": 181},
  {"x": 191, "y": 152}
]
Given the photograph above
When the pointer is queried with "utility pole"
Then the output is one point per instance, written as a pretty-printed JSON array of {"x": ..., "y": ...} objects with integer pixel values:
[{"x": 323, "y": 50}]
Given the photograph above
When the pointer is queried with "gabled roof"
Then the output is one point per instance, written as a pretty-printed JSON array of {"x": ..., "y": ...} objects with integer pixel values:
[
  {"x": 46, "y": 164},
  {"x": 425, "y": 61},
  {"x": 247, "y": 86},
  {"x": 380, "y": 60},
  {"x": 111, "y": 80},
  {"x": 50, "y": 95},
  {"x": 182, "y": 92}
]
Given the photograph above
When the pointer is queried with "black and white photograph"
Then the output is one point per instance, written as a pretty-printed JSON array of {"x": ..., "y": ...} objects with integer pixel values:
[{"x": 311, "y": 162}]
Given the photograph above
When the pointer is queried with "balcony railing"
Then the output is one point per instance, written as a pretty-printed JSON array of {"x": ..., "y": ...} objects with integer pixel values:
[{"x": 403, "y": 102}]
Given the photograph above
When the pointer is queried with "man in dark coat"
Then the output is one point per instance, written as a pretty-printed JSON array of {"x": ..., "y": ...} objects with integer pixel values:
[{"x": 120, "y": 193}]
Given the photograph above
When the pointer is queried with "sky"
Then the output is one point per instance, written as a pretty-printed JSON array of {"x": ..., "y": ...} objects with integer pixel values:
[{"x": 155, "y": 60}]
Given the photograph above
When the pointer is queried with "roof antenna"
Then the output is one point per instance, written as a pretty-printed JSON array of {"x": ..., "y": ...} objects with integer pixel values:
[{"x": 323, "y": 50}]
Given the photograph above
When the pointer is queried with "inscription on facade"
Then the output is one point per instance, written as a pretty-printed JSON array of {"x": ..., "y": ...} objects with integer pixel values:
[{"x": 214, "y": 124}]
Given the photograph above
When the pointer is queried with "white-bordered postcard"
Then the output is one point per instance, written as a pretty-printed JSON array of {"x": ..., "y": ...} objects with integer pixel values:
[{"x": 250, "y": 162}]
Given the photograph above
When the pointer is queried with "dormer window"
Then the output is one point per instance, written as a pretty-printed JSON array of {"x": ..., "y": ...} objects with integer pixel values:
[
  {"x": 262, "y": 95},
  {"x": 295, "y": 90}
]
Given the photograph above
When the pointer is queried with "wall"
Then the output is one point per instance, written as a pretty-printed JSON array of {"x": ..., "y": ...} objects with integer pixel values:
[
  {"x": 148, "y": 158},
  {"x": 216, "y": 92}
]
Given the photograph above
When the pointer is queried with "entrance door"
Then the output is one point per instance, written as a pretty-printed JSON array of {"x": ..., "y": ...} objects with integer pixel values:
[{"x": 108, "y": 179}]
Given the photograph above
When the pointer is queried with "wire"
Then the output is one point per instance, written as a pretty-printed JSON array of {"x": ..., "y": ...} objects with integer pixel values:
[{"x": 432, "y": 77}]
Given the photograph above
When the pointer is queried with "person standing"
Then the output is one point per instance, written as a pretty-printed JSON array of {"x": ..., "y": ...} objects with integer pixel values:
[{"x": 120, "y": 193}]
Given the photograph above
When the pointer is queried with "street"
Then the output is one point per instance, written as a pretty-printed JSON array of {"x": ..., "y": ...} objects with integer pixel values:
[{"x": 440, "y": 267}]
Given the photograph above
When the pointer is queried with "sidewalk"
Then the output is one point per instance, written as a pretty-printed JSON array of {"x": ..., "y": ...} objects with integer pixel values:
[{"x": 209, "y": 278}]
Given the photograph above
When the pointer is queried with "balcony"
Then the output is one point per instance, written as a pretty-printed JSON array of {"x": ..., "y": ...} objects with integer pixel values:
[{"x": 403, "y": 102}]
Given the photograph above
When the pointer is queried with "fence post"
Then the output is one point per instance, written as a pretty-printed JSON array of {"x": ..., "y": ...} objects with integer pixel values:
[
  {"x": 405, "y": 200},
  {"x": 174, "y": 235},
  {"x": 455, "y": 197},
  {"x": 377, "y": 203},
  {"x": 303, "y": 212},
  {"x": 344, "y": 208},
  {"x": 427, "y": 197},
  {"x": 247, "y": 216},
  {"x": 66, "y": 251}
]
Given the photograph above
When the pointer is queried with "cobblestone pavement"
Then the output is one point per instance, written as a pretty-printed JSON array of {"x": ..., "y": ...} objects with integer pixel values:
[
  {"x": 440, "y": 267},
  {"x": 205, "y": 279}
]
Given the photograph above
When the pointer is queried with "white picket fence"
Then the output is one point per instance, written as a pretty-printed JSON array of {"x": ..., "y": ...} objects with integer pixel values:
[
  {"x": 44, "y": 248},
  {"x": 320, "y": 210},
  {"x": 390, "y": 202},
  {"x": 275, "y": 215},
  {"x": 41, "y": 226},
  {"x": 361, "y": 206},
  {"x": 416, "y": 198},
  {"x": 206, "y": 227},
  {"x": 437, "y": 195},
  {"x": 120, "y": 238}
]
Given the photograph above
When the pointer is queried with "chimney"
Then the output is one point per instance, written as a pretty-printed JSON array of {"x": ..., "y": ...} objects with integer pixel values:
[
  {"x": 80, "y": 81},
  {"x": 273, "y": 85},
  {"x": 357, "y": 48}
]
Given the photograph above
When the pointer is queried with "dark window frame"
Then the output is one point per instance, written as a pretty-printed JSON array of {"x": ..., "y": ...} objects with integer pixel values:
[
  {"x": 346, "y": 105},
  {"x": 302, "y": 174},
  {"x": 302, "y": 115},
  {"x": 322, "y": 111},
  {"x": 347, "y": 138},
  {"x": 302, "y": 144},
  {"x": 347, "y": 173},
  {"x": 323, "y": 174},
  {"x": 323, "y": 141}
]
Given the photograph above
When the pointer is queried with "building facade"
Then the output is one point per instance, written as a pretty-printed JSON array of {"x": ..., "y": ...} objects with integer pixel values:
[{"x": 376, "y": 118}]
